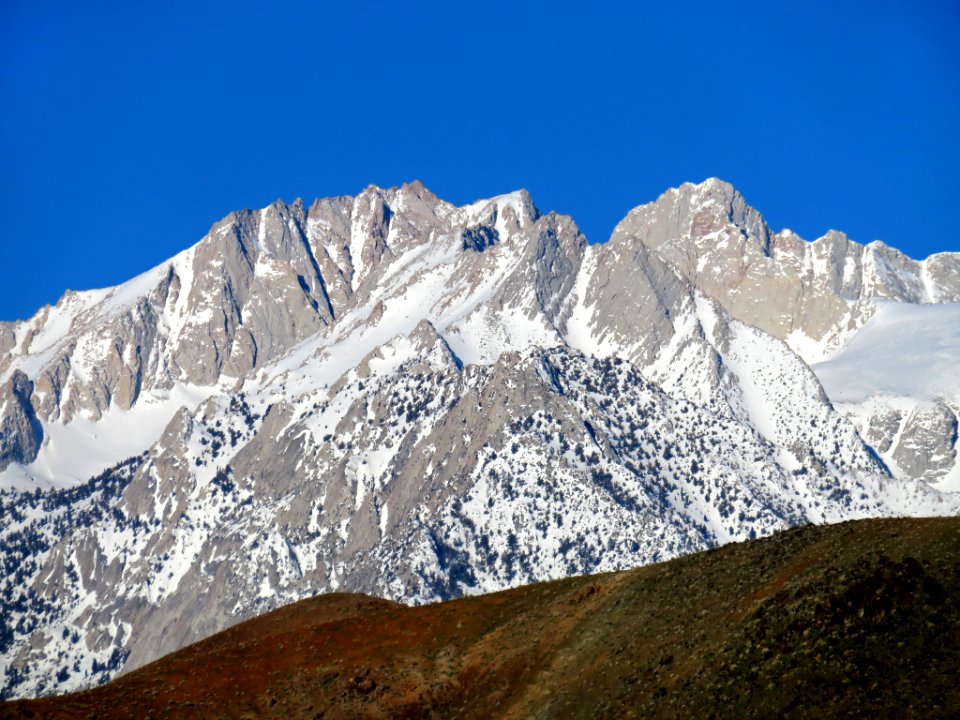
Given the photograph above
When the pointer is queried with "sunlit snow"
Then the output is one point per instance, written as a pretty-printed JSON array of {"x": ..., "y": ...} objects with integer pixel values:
[{"x": 904, "y": 349}]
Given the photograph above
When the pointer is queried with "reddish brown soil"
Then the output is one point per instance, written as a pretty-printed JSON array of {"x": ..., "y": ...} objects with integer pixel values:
[{"x": 859, "y": 619}]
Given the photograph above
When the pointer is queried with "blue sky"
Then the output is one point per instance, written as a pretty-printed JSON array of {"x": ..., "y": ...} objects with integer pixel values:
[{"x": 127, "y": 130}]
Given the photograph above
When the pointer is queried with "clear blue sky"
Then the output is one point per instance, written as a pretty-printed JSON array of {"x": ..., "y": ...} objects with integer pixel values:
[{"x": 129, "y": 128}]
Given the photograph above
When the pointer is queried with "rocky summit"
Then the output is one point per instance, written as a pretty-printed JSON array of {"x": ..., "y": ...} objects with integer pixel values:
[{"x": 391, "y": 395}]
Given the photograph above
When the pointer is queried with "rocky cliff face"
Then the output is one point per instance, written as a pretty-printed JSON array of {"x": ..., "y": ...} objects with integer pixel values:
[
  {"x": 20, "y": 431},
  {"x": 393, "y": 395},
  {"x": 811, "y": 294},
  {"x": 817, "y": 296}
]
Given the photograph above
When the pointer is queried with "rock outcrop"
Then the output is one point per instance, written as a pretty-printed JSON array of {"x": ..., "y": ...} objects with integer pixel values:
[{"x": 20, "y": 431}]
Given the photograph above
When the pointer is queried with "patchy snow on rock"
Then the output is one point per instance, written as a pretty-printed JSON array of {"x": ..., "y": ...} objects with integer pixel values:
[
  {"x": 74, "y": 452},
  {"x": 394, "y": 396}
]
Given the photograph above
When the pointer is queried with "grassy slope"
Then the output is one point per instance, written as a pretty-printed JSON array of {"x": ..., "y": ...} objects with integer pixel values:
[{"x": 858, "y": 619}]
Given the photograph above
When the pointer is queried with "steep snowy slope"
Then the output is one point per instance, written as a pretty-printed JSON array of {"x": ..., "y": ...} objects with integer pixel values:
[
  {"x": 818, "y": 297},
  {"x": 257, "y": 286},
  {"x": 904, "y": 350},
  {"x": 899, "y": 380},
  {"x": 393, "y": 395}
]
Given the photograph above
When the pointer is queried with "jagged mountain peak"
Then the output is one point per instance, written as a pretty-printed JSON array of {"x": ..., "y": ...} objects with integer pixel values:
[
  {"x": 834, "y": 236},
  {"x": 520, "y": 201},
  {"x": 704, "y": 214},
  {"x": 392, "y": 394},
  {"x": 258, "y": 283},
  {"x": 811, "y": 294},
  {"x": 711, "y": 190},
  {"x": 423, "y": 345}
]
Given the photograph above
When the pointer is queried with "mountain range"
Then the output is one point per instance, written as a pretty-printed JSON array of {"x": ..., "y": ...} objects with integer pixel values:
[{"x": 392, "y": 395}]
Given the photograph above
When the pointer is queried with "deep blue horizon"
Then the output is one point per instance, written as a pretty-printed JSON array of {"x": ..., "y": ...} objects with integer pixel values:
[{"x": 127, "y": 131}]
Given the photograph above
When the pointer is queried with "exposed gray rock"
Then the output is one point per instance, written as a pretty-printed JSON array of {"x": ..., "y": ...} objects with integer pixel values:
[
  {"x": 882, "y": 429},
  {"x": 779, "y": 282},
  {"x": 8, "y": 339},
  {"x": 20, "y": 431},
  {"x": 927, "y": 443}
]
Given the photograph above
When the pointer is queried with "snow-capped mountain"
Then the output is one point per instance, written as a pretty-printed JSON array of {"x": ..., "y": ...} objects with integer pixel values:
[{"x": 393, "y": 395}]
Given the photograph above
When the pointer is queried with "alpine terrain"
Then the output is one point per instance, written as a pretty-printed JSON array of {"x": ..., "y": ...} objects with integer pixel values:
[
  {"x": 856, "y": 620},
  {"x": 391, "y": 395}
]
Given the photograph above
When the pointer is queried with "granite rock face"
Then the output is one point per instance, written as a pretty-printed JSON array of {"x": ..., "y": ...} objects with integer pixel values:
[
  {"x": 927, "y": 447},
  {"x": 20, "y": 432},
  {"x": 779, "y": 282},
  {"x": 390, "y": 394},
  {"x": 816, "y": 296},
  {"x": 919, "y": 440}
]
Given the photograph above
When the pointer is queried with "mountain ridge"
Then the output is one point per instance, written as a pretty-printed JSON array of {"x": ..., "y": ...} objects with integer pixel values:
[{"x": 393, "y": 395}]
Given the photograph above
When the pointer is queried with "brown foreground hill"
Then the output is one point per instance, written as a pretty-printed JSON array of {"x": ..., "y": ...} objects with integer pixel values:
[{"x": 854, "y": 620}]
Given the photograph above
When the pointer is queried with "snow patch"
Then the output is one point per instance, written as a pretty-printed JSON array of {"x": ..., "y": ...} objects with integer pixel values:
[
  {"x": 75, "y": 452},
  {"x": 904, "y": 349}
]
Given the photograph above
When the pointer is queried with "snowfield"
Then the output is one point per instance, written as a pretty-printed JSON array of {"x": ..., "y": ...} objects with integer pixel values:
[{"x": 904, "y": 349}]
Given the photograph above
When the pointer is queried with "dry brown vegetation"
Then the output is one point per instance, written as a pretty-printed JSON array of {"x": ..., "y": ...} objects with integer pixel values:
[{"x": 854, "y": 620}]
